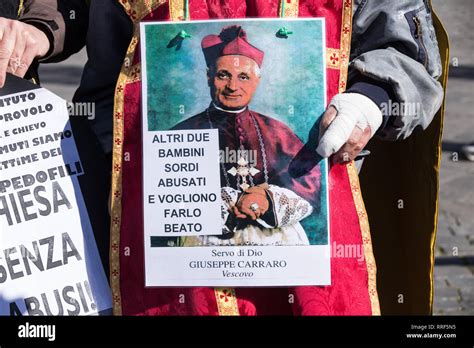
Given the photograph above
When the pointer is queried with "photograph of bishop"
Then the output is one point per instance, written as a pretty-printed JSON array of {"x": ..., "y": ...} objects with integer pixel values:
[{"x": 262, "y": 204}]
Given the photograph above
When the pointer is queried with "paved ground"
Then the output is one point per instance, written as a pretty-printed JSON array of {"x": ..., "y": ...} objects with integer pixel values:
[{"x": 454, "y": 269}]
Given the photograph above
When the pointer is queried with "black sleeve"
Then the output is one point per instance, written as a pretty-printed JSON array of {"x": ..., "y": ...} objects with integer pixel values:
[
  {"x": 9, "y": 8},
  {"x": 64, "y": 22}
]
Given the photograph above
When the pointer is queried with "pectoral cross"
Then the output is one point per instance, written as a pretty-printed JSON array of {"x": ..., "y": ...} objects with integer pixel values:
[{"x": 243, "y": 170}]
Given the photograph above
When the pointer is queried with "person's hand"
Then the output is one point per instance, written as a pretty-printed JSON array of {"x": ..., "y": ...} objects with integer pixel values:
[
  {"x": 347, "y": 126},
  {"x": 20, "y": 44},
  {"x": 256, "y": 198}
]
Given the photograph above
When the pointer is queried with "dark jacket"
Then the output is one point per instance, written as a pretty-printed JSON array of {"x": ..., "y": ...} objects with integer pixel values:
[
  {"x": 9, "y": 8},
  {"x": 105, "y": 30}
]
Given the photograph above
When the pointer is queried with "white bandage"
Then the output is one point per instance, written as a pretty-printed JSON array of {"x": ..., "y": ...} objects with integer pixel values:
[{"x": 353, "y": 109}]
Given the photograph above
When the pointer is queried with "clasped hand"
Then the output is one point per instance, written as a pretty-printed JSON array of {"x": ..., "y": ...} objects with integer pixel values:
[{"x": 252, "y": 204}]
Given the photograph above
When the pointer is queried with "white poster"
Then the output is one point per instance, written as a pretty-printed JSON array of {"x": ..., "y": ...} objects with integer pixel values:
[
  {"x": 233, "y": 194},
  {"x": 49, "y": 263}
]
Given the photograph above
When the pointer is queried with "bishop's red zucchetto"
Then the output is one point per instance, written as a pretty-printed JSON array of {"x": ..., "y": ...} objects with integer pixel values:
[{"x": 231, "y": 41}]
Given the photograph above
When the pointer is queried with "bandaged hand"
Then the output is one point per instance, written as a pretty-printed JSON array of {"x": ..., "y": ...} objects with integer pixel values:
[
  {"x": 347, "y": 125},
  {"x": 252, "y": 204}
]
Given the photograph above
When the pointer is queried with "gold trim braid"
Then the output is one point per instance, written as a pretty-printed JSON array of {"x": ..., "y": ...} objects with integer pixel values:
[
  {"x": 333, "y": 58},
  {"x": 128, "y": 74},
  {"x": 366, "y": 237},
  {"x": 344, "y": 56},
  {"x": 21, "y": 6},
  {"x": 444, "y": 47},
  {"x": 137, "y": 10},
  {"x": 291, "y": 8},
  {"x": 116, "y": 190},
  {"x": 176, "y": 8},
  {"x": 345, "y": 44},
  {"x": 226, "y": 302}
]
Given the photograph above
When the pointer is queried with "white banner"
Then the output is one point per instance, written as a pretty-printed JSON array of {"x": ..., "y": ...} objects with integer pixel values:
[
  {"x": 49, "y": 263},
  {"x": 233, "y": 192},
  {"x": 181, "y": 183}
]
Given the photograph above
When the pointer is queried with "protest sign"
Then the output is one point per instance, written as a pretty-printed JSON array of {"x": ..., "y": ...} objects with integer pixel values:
[
  {"x": 233, "y": 194},
  {"x": 49, "y": 263}
]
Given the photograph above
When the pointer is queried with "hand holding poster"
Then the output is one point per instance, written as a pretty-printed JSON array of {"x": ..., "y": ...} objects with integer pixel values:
[
  {"x": 233, "y": 197},
  {"x": 49, "y": 264}
]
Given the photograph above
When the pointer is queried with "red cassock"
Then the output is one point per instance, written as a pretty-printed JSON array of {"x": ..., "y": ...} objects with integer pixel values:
[
  {"x": 283, "y": 149},
  {"x": 352, "y": 290}
]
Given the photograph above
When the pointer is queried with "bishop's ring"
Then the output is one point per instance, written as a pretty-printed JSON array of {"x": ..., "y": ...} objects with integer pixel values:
[{"x": 254, "y": 207}]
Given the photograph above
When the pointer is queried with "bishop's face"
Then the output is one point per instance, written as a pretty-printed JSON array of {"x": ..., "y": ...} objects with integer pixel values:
[{"x": 233, "y": 81}]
